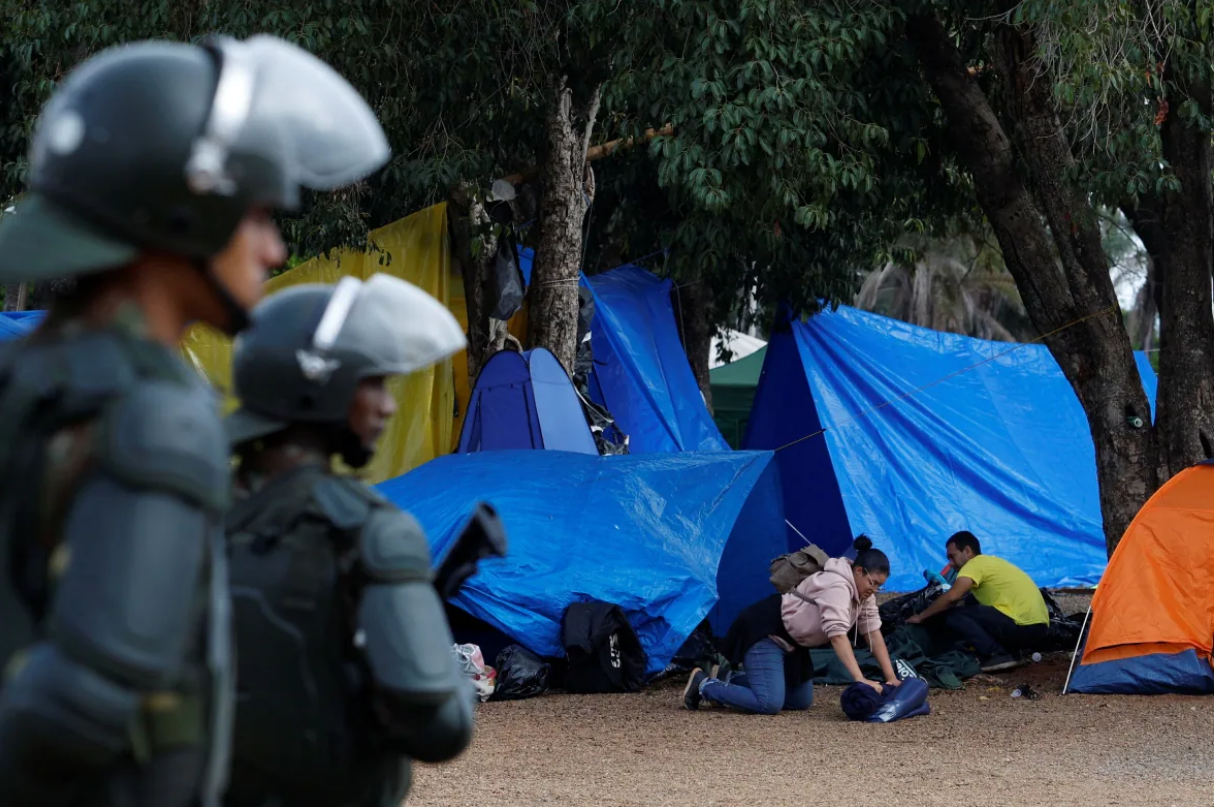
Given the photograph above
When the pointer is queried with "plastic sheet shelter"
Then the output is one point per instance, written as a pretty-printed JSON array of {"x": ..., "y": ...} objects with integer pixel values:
[
  {"x": 525, "y": 401},
  {"x": 16, "y": 324},
  {"x": 992, "y": 440},
  {"x": 1152, "y": 623},
  {"x": 733, "y": 394},
  {"x": 671, "y": 538},
  {"x": 642, "y": 375},
  {"x": 414, "y": 248}
]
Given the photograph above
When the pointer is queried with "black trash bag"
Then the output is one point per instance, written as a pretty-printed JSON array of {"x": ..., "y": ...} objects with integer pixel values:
[
  {"x": 899, "y": 609},
  {"x": 604, "y": 651},
  {"x": 584, "y": 359},
  {"x": 607, "y": 435},
  {"x": 1064, "y": 629},
  {"x": 699, "y": 650},
  {"x": 507, "y": 287},
  {"x": 520, "y": 674}
]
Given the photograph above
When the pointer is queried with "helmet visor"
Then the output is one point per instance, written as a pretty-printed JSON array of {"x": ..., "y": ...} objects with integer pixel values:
[
  {"x": 395, "y": 327},
  {"x": 323, "y": 132}
]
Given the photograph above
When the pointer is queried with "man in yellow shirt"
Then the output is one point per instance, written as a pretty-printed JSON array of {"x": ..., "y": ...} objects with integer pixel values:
[{"x": 1011, "y": 615}]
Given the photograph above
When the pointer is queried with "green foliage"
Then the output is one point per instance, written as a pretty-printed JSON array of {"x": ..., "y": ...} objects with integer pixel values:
[
  {"x": 805, "y": 148},
  {"x": 460, "y": 88},
  {"x": 803, "y": 145}
]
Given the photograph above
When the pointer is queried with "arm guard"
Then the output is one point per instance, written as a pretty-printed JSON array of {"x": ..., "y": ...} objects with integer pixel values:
[
  {"x": 125, "y": 610},
  {"x": 408, "y": 642}
]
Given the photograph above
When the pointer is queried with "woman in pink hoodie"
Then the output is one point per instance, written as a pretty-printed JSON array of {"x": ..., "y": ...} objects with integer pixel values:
[{"x": 771, "y": 639}]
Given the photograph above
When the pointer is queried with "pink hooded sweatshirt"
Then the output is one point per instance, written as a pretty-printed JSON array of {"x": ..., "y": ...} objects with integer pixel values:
[{"x": 835, "y": 609}]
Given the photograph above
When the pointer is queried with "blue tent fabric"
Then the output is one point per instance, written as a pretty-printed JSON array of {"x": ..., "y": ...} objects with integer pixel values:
[
  {"x": 1184, "y": 673},
  {"x": 15, "y": 324},
  {"x": 640, "y": 366},
  {"x": 1002, "y": 449},
  {"x": 647, "y": 382},
  {"x": 525, "y": 401},
  {"x": 671, "y": 538}
]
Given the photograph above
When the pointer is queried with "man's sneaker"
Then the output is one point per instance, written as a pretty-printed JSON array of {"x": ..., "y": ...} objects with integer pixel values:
[
  {"x": 1001, "y": 661},
  {"x": 691, "y": 695}
]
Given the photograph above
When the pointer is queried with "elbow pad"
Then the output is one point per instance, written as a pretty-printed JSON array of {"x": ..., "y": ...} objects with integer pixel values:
[
  {"x": 129, "y": 602},
  {"x": 408, "y": 641},
  {"x": 60, "y": 723},
  {"x": 434, "y": 734}
]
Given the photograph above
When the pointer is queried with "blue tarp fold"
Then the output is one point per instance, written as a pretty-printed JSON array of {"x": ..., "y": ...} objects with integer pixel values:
[
  {"x": 1002, "y": 449},
  {"x": 15, "y": 324},
  {"x": 642, "y": 370},
  {"x": 646, "y": 532}
]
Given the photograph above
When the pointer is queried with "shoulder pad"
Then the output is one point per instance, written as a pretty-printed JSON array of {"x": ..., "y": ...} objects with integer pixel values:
[
  {"x": 393, "y": 547},
  {"x": 167, "y": 436},
  {"x": 344, "y": 501}
]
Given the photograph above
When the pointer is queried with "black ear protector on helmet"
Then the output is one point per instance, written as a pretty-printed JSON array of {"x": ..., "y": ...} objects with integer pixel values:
[{"x": 206, "y": 171}]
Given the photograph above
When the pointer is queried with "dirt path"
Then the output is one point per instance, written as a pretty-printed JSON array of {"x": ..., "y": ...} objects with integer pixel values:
[{"x": 979, "y": 747}]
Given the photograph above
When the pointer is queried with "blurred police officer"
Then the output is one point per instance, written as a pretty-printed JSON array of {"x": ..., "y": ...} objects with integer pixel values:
[
  {"x": 153, "y": 173},
  {"x": 345, "y": 663}
]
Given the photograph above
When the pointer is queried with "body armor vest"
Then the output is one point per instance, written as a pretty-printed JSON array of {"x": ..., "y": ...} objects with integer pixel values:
[{"x": 305, "y": 731}]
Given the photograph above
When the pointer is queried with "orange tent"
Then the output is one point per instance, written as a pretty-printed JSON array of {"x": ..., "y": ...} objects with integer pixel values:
[{"x": 1152, "y": 618}]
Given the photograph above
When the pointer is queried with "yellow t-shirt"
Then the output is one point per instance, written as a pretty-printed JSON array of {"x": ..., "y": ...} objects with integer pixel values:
[{"x": 1004, "y": 586}]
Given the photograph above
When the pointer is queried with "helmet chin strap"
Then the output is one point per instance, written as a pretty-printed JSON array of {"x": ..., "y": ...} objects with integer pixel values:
[
  {"x": 236, "y": 317},
  {"x": 351, "y": 449}
]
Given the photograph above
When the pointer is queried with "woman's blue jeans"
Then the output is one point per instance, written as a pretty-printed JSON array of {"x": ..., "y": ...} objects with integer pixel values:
[{"x": 761, "y": 688}]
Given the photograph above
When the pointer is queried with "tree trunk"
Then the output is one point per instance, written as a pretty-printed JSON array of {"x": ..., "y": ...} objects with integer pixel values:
[
  {"x": 14, "y": 296},
  {"x": 1142, "y": 323},
  {"x": 466, "y": 219},
  {"x": 1074, "y": 305},
  {"x": 691, "y": 312},
  {"x": 1145, "y": 218},
  {"x": 567, "y": 183},
  {"x": 1185, "y": 404}
]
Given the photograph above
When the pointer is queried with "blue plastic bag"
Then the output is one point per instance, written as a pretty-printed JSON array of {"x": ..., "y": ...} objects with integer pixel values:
[
  {"x": 907, "y": 700},
  {"x": 860, "y": 702}
]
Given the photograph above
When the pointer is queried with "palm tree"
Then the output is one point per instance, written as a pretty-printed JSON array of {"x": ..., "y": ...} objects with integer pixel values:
[
  {"x": 961, "y": 285},
  {"x": 957, "y": 285}
]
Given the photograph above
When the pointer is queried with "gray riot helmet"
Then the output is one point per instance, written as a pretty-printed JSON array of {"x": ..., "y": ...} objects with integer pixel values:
[
  {"x": 168, "y": 146},
  {"x": 312, "y": 344}
]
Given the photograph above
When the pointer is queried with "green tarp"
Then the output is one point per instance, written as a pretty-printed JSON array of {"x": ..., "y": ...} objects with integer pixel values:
[{"x": 733, "y": 393}]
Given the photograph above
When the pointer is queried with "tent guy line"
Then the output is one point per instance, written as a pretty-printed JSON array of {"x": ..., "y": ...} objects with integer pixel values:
[{"x": 975, "y": 365}]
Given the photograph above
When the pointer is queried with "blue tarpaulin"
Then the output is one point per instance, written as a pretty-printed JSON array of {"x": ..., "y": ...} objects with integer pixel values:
[
  {"x": 1002, "y": 450},
  {"x": 15, "y": 324},
  {"x": 671, "y": 538},
  {"x": 525, "y": 400},
  {"x": 641, "y": 369}
]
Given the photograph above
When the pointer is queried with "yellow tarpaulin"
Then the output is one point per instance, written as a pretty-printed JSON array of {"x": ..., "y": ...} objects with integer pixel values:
[{"x": 419, "y": 252}]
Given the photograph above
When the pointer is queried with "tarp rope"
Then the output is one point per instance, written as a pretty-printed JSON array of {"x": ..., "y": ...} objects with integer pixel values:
[{"x": 954, "y": 374}]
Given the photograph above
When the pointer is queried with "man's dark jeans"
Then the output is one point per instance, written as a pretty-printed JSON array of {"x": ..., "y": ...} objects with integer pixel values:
[{"x": 990, "y": 631}]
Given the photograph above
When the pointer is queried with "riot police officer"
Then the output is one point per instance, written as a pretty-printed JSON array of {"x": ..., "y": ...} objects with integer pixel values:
[
  {"x": 345, "y": 663},
  {"x": 153, "y": 173}
]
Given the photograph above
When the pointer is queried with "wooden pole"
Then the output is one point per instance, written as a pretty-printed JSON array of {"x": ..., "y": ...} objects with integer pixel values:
[
  {"x": 595, "y": 152},
  {"x": 22, "y": 293}
]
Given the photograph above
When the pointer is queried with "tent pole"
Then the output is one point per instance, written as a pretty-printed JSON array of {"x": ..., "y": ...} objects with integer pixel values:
[
  {"x": 798, "y": 532},
  {"x": 1078, "y": 642}
]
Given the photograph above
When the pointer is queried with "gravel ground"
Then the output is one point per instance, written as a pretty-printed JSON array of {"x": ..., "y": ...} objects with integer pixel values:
[{"x": 978, "y": 747}]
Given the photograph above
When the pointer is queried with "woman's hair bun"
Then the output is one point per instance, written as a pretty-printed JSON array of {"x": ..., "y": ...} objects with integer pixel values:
[{"x": 862, "y": 543}]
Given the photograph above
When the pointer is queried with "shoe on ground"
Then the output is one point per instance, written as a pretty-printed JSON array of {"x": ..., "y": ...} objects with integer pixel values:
[
  {"x": 999, "y": 662},
  {"x": 691, "y": 695}
]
